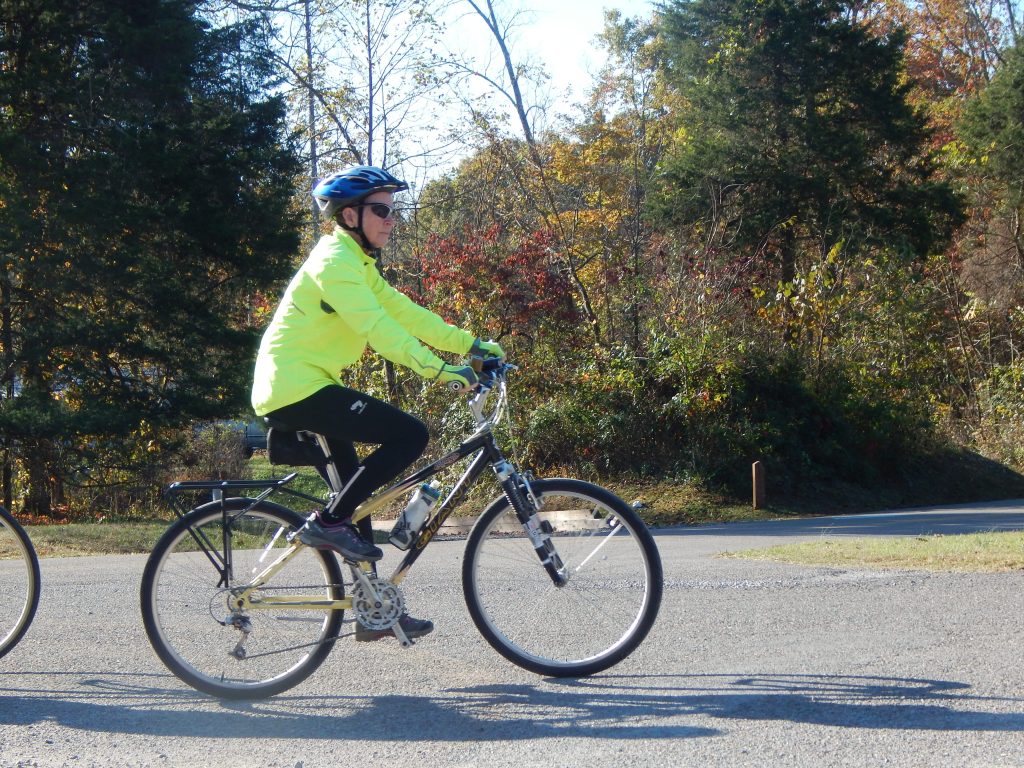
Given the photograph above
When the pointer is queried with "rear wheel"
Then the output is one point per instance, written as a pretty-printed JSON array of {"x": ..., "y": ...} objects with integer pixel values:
[
  {"x": 210, "y": 644},
  {"x": 610, "y": 596}
]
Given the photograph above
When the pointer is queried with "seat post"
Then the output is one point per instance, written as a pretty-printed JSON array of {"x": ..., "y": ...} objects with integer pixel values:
[{"x": 334, "y": 477}]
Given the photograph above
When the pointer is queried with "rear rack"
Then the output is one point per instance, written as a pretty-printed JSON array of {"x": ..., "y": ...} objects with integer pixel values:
[
  {"x": 227, "y": 485},
  {"x": 219, "y": 488}
]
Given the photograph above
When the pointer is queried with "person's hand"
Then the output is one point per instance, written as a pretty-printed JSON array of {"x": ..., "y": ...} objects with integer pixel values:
[
  {"x": 483, "y": 348},
  {"x": 457, "y": 378}
]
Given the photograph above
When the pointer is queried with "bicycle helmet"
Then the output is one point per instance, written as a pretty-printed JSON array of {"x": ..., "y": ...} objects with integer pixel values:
[
  {"x": 348, "y": 188},
  {"x": 351, "y": 185}
]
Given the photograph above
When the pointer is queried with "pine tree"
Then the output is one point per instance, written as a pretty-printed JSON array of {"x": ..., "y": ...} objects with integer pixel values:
[
  {"x": 144, "y": 191},
  {"x": 796, "y": 136}
]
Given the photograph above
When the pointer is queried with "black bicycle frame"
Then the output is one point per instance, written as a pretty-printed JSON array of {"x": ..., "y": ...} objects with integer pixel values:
[
  {"x": 482, "y": 444},
  {"x": 487, "y": 452}
]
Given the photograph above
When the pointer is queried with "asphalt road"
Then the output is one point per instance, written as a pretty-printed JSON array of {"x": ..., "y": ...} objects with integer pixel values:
[{"x": 749, "y": 664}]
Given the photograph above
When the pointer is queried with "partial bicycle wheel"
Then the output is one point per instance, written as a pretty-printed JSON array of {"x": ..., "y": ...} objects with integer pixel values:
[
  {"x": 608, "y": 602},
  {"x": 188, "y": 584},
  {"x": 19, "y": 582}
]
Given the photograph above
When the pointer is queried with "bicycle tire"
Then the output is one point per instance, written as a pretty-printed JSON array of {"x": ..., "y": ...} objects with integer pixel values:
[
  {"x": 605, "y": 609},
  {"x": 187, "y": 618},
  {"x": 19, "y": 582}
]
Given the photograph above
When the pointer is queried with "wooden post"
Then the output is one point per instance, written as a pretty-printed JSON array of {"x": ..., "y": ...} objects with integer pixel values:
[{"x": 757, "y": 472}]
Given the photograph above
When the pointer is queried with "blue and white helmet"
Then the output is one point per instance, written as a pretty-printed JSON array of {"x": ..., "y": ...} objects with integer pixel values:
[{"x": 353, "y": 184}]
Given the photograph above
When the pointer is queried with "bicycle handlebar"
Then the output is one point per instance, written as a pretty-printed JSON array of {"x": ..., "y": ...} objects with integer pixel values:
[
  {"x": 480, "y": 366},
  {"x": 491, "y": 375}
]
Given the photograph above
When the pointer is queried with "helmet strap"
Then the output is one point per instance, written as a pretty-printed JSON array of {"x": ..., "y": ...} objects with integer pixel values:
[{"x": 357, "y": 230}]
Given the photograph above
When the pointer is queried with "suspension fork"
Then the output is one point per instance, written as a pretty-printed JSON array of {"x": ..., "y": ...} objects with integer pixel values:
[{"x": 525, "y": 504}]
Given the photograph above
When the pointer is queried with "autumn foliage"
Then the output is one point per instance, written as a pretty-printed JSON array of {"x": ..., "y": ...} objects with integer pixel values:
[
  {"x": 776, "y": 230},
  {"x": 506, "y": 288}
]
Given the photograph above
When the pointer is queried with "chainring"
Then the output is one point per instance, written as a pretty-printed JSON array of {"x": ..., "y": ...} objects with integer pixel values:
[{"x": 374, "y": 614}]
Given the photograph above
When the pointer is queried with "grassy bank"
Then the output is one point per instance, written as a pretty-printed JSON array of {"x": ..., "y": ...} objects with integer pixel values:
[
  {"x": 81, "y": 539},
  {"x": 990, "y": 552}
]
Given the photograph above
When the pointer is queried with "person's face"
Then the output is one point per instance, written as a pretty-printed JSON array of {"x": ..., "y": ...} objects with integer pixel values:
[{"x": 376, "y": 229}]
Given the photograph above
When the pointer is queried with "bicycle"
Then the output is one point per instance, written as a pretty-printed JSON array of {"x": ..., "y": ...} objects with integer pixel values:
[
  {"x": 560, "y": 576},
  {"x": 19, "y": 582}
]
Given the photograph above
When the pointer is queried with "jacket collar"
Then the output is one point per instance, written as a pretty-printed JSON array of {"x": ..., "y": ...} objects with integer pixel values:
[{"x": 349, "y": 242}]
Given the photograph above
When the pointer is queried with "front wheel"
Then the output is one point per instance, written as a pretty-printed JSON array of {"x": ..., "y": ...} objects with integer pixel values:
[
  {"x": 611, "y": 573},
  {"x": 190, "y": 588},
  {"x": 19, "y": 581}
]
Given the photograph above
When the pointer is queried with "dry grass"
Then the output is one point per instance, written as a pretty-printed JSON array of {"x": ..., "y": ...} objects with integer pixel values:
[{"x": 989, "y": 552}]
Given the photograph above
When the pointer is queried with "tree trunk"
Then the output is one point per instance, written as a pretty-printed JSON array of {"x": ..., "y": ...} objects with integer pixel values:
[
  {"x": 787, "y": 274},
  {"x": 38, "y": 500},
  {"x": 314, "y": 160},
  {"x": 487, "y": 12},
  {"x": 394, "y": 394}
]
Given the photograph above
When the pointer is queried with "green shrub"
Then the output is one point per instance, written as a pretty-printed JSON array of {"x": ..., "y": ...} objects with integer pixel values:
[
  {"x": 708, "y": 417},
  {"x": 999, "y": 433}
]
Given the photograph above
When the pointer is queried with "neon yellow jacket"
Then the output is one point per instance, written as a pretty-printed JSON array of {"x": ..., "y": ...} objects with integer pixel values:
[{"x": 335, "y": 305}]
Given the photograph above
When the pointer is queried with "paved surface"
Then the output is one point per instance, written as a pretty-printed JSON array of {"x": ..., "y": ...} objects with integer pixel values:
[{"x": 750, "y": 664}]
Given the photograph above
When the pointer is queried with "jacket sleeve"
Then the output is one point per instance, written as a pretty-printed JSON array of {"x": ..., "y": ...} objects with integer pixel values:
[
  {"x": 420, "y": 321},
  {"x": 345, "y": 289}
]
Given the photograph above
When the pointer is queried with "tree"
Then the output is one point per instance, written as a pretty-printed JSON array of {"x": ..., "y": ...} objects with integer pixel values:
[
  {"x": 363, "y": 86},
  {"x": 526, "y": 155},
  {"x": 797, "y": 137},
  {"x": 985, "y": 284},
  {"x": 952, "y": 49},
  {"x": 357, "y": 73},
  {"x": 604, "y": 168},
  {"x": 993, "y": 127},
  {"x": 144, "y": 190},
  {"x": 474, "y": 278}
]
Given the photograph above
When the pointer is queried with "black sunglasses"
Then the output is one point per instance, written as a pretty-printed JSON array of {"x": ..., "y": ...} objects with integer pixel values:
[{"x": 380, "y": 210}]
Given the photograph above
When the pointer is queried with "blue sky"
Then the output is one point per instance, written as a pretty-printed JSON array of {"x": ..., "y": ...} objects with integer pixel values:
[
  {"x": 556, "y": 33},
  {"x": 562, "y": 31}
]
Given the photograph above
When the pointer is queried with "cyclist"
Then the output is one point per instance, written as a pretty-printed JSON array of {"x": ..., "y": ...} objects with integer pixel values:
[{"x": 335, "y": 305}]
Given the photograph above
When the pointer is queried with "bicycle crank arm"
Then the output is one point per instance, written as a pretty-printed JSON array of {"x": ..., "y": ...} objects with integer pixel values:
[{"x": 403, "y": 638}]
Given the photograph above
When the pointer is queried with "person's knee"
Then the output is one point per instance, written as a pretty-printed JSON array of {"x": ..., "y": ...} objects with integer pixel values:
[{"x": 419, "y": 436}]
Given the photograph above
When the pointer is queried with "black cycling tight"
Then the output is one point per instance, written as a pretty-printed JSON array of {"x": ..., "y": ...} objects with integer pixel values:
[{"x": 345, "y": 416}]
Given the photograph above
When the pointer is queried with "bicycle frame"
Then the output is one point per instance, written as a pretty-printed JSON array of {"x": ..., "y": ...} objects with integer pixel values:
[
  {"x": 488, "y": 453},
  {"x": 481, "y": 443}
]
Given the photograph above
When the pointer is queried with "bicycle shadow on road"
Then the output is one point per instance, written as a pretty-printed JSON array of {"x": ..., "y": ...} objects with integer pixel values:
[
  {"x": 111, "y": 704},
  {"x": 847, "y": 701},
  {"x": 601, "y": 707}
]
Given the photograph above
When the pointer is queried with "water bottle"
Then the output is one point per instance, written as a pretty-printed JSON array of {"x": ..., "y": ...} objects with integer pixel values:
[{"x": 408, "y": 524}]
